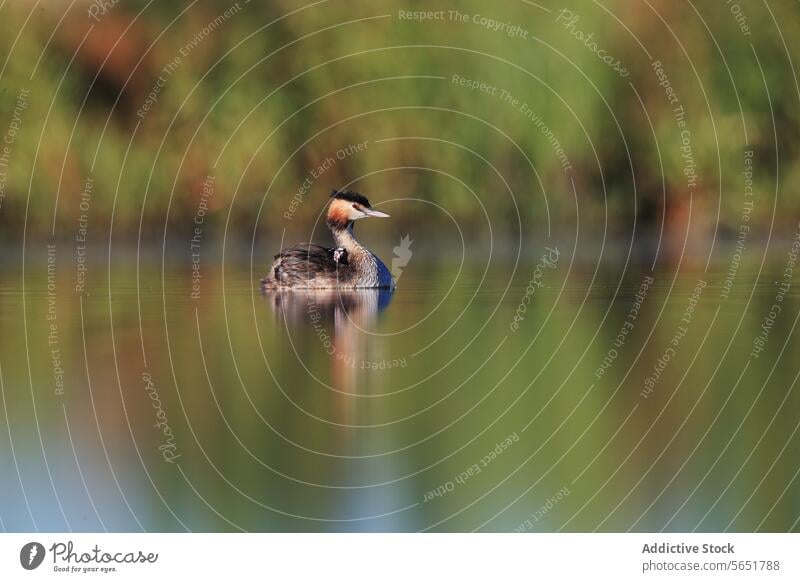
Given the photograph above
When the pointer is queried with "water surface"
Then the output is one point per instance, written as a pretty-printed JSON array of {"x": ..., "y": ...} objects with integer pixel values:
[{"x": 544, "y": 393}]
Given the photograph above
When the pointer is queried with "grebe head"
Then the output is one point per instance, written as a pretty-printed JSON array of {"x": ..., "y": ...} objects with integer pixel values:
[{"x": 348, "y": 206}]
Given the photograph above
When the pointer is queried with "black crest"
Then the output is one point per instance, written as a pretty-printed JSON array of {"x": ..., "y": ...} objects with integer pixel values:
[{"x": 351, "y": 196}]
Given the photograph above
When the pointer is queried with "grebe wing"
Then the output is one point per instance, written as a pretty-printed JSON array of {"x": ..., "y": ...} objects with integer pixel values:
[{"x": 299, "y": 264}]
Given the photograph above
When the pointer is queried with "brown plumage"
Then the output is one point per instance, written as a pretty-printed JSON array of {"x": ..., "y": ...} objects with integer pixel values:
[{"x": 301, "y": 264}]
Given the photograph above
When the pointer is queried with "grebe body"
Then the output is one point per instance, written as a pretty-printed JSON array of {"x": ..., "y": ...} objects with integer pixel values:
[{"x": 348, "y": 265}]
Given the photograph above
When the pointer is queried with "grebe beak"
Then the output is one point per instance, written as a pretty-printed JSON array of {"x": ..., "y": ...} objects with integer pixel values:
[{"x": 375, "y": 213}]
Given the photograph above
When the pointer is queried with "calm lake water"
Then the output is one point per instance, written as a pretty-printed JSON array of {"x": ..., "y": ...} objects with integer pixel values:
[{"x": 545, "y": 393}]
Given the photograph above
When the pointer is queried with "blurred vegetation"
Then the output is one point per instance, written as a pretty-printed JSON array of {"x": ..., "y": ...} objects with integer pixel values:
[{"x": 276, "y": 88}]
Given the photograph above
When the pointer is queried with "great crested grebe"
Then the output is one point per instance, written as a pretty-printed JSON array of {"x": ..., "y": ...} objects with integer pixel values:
[{"x": 348, "y": 265}]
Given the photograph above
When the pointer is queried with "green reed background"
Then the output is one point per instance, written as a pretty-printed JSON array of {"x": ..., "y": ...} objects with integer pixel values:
[{"x": 272, "y": 75}]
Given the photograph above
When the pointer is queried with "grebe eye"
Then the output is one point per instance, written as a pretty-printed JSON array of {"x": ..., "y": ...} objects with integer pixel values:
[{"x": 355, "y": 206}]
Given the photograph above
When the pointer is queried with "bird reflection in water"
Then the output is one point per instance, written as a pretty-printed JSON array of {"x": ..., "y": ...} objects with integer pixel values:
[{"x": 342, "y": 324}]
